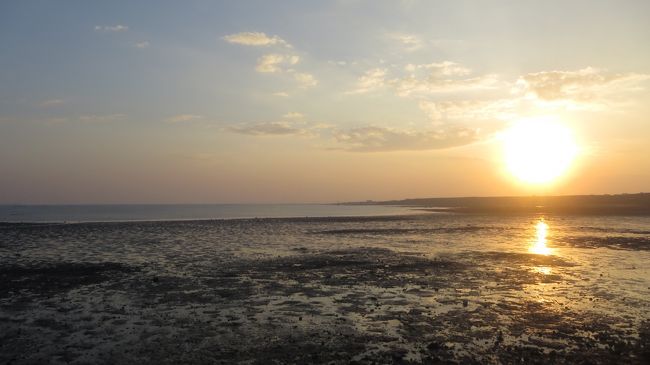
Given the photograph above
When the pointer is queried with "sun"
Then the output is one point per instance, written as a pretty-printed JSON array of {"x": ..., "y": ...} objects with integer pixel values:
[{"x": 538, "y": 151}]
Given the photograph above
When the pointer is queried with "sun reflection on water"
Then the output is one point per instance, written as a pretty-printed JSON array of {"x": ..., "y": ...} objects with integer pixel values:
[{"x": 539, "y": 246}]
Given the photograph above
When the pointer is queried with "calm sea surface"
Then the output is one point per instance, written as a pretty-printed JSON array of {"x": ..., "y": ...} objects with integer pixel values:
[{"x": 156, "y": 212}]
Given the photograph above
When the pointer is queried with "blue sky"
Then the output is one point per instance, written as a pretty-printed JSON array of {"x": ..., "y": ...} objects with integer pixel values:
[{"x": 258, "y": 101}]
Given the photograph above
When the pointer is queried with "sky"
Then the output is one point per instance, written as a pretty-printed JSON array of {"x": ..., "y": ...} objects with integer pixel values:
[{"x": 314, "y": 101}]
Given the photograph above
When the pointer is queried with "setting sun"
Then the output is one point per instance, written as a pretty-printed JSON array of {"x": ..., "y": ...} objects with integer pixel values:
[{"x": 538, "y": 151}]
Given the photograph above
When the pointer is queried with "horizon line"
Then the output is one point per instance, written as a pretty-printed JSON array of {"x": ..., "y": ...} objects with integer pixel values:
[{"x": 328, "y": 203}]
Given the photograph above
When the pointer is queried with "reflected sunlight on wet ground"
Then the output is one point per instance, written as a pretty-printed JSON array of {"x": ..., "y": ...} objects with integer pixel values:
[
  {"x": 539, "y": 245},
  {"x": 452, "y": 287}
]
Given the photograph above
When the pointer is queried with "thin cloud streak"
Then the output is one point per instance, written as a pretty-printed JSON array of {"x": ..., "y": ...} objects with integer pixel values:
[
  {"x": 381, "y": 139},
  {"x": 281, "y": 128},
  {"x": 111, "y": 28},
  {"x": 183, "y": 118},
  {"x": 255, "y": 39},
  {"x": 274, "y": 62},
  {"x": 93, "y": 118}
]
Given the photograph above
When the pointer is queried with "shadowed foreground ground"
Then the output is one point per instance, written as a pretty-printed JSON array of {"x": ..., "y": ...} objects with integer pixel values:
[{"x": 359, "y": 305}]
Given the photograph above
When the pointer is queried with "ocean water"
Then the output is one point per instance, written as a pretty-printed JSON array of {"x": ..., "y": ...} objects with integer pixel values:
[
  {"x": 453, "y": 287},
  {"x": 155, "y": 212}
]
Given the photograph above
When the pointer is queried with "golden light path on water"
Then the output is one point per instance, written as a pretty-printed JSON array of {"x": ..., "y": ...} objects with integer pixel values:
[{"x": 539, "y": 246}]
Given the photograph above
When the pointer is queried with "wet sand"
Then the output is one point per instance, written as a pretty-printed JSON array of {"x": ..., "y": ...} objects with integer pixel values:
[{"x": 347, "y": 290}]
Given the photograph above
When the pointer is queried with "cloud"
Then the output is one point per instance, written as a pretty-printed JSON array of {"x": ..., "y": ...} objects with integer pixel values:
[
  {"x": 410, "y": 42},
  {"x": 585, "y": 85},
  {"x": 182, "y": 118},
  {"x": 441, "y": 77},
  {"x": 111, "y": 28},
  {"x": 273, "y": 62},
  {"x": 306, "y": 80},
  {"x": 534, "y": 93},
  {"x": 281, "y": 128},
  {"x": 413, "y": 85},
  {"x": 51, "y": 102},
  {"x": 337, "y": 63},
  {"x": 143, "y": 44},
  {"x": 292, "y": 123},
  {"x": 92, "y": 118},
  {"x": 370, "y": 81},
  {"x": 281, "y": 94},
  {"x": 445, "y": 68},
  {"x": 257, "y": 39},
  {"x": 379, "y": 139},
  {"x": 470, "y": 110},
  {"x": 293, "y": 115}
]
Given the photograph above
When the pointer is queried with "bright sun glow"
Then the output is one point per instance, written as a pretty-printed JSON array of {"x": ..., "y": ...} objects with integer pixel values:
[{"x": 538, "y": 151}]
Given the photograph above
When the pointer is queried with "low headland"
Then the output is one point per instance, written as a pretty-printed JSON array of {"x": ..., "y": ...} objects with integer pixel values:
[{"x": 617, "y": 204}]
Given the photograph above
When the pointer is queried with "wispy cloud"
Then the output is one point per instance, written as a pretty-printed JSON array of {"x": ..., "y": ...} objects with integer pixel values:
[
  {"x": 281, "y": 128},
  {"x": 274, "y": 62},
  {"x": 305, "y": 79},
  {"x": 362, "y": 139},
  {"x": 442, "y": 77},
  {"x": 413, "y": 85},
  {"x": 410, "y": 42},
  {"x": 291, "y": 123},
  {"x": 372, "y": 80},
  {"x": 469, "y": 110},
  {"x": 380, "y": 139},
  {"x": 258, "y": 39},
  {"x": 293, "y": 115},
  {"x": 111, "y": 28},
  {"x": 182, "y": 118},
  {"x": 93, "y": 118},
  {"x": 445, "y": 68},
  {"x": 51, "y": 102},
  {"x": 533, "y": 93},
  {"x": 585, "y": 85},
  {"x": 143, "y": 44}
]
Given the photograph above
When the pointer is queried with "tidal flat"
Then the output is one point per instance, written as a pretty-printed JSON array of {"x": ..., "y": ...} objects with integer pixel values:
[{"x": 431, "y": 288}]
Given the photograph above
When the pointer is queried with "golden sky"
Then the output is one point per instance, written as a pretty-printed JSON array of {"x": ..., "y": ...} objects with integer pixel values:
[{"x": 266, "y": 102}]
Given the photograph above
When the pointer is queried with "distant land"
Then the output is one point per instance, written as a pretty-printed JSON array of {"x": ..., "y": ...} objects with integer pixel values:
[{"x": 618, "y": 204}]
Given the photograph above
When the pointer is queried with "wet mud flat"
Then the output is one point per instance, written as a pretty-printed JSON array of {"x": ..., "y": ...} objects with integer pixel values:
[{"x": 359, "y": 305}]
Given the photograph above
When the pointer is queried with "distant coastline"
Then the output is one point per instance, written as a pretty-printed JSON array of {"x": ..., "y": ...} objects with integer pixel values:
[
  {"x": 616, "y": 204},
  {"x": 95, "y": 213}
]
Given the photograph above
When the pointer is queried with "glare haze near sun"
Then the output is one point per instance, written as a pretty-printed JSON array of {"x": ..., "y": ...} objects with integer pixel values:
[
  {"x": 538, "y": 151},
  {"x": 286, "y": 101}
]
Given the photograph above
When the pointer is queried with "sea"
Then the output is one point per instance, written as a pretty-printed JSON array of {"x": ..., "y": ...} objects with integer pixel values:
[{"x": 168, "y": 212}]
